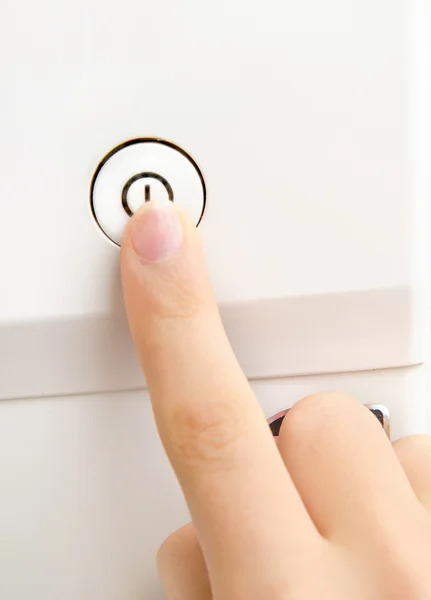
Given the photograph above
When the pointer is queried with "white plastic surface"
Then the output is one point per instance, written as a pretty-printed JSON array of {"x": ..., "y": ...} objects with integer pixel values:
[
  {"x": 310, "y": 122},
  {"x": 271, "y": 338},
  {"x": 148, "y": 160}
]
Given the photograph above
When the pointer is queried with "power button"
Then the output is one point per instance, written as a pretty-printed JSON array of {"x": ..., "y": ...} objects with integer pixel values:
[{"x": 141, "y": 170}]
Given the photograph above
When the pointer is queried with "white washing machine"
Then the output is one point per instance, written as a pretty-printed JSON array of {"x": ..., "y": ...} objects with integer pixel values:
[{"x": 298, "y": 135}]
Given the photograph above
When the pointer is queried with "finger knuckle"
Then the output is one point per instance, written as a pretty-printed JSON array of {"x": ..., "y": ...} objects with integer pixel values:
[
  {"x": 325, "y": 401},
  {"x": 165, "y": 555},
  {"x": 207, "y": 436},
  {"x": 314, "y": 417},
  {"x": 413, "y": 445},
  {"x": 181, "y": 545}
]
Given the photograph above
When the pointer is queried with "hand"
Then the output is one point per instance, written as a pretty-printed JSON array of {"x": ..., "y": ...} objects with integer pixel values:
[{"x": 335, "y": 513}]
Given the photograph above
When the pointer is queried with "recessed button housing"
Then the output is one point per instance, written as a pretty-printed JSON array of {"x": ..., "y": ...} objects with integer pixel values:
[
  {"x": 379, "y": 411},
  {"x": 141, "y": 170}
]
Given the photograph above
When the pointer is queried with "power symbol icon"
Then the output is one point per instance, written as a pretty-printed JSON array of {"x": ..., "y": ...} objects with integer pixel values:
[{"x": 144, "y": 187}]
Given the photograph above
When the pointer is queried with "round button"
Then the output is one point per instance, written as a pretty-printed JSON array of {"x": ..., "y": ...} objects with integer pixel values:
[
  {"x": 152, "y": 187},
  {"x": 139, "y": 171}
]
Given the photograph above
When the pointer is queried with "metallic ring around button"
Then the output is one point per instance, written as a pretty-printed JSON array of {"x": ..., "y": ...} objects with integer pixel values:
[{"x": 145, "y": 175}]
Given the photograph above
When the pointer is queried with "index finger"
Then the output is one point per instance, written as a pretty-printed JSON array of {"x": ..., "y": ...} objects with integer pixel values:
[{"x": 211, "y": 425}]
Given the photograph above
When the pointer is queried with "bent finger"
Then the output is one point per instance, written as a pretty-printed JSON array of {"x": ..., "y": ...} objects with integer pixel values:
[
  {"x": 182, "y": 567},
  {"x": 414, "y": 453}
]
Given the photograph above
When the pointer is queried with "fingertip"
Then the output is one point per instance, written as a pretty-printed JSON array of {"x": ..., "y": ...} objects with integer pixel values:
[
  {"x": 155, "y": 232},
  {"x": 161, "y": 247}
]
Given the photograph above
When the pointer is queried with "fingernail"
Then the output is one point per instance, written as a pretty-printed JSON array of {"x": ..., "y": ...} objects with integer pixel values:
[{"x": 157, "y": 231}]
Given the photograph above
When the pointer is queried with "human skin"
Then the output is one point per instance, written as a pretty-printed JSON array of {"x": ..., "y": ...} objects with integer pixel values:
[{"x": 335, "y": 512}]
